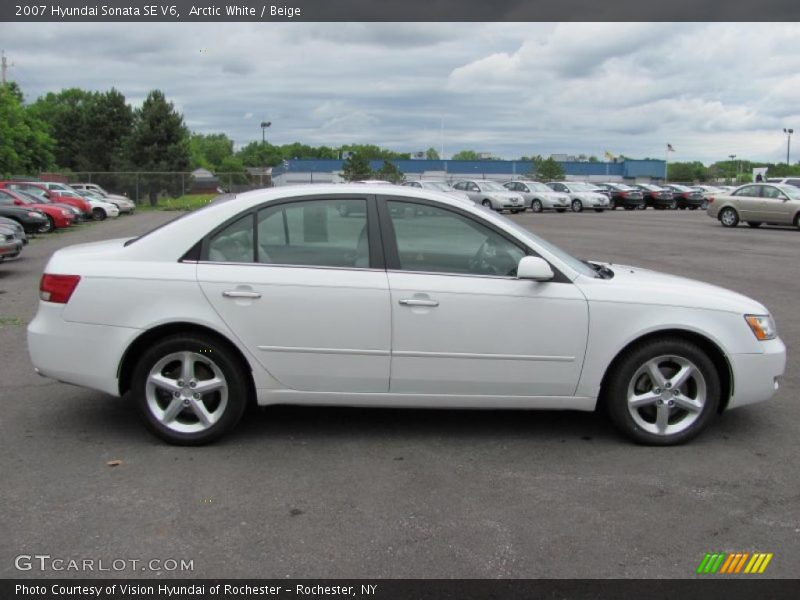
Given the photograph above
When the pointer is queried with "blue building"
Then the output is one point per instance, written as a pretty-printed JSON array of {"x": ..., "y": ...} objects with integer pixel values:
[{"x": 326, "y": 171}]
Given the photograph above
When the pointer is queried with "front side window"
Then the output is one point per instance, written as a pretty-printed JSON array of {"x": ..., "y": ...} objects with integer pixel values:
[
  {"x": 772, "y": 192},
  {"x": 442, "y": 241},
  {"x": 324, "y": 233}
]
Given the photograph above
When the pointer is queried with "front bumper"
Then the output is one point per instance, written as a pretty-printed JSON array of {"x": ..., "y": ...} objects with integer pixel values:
[{"x": 756, "y": 376}]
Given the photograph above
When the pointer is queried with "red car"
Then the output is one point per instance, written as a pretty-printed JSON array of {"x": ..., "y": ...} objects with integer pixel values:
[
  {"x": 58, "y": 216},
  {"x": 39, "y": 189}
]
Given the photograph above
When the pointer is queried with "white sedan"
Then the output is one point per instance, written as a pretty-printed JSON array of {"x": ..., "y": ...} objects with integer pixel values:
[
  {"x": 102, "y": 210},
  {"x": 582, "y": 195},
  {"x": 276, "y": 297}
]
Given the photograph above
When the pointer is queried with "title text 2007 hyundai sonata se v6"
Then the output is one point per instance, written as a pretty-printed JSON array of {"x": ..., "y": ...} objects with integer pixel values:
[{"x": 366, "y": 295}]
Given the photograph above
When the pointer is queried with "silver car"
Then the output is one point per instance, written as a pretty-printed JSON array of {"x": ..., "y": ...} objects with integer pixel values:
[
  {"x": 538, "y": 196},
  {"x": 757, "y": 203},
  {"x": 491, "y": 195},
  {"x": 439, "y": 186},
  {"x": 582, "y": 195},
  {"x": 10, "y": 246}
]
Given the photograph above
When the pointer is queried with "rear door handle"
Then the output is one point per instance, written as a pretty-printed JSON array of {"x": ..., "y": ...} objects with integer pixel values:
[
  {"x": 418, "y": 302},
  {"x": 240, "y": 294}
]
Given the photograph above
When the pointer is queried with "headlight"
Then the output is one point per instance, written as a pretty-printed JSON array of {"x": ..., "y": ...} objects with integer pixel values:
[
  {"x": 763, "y": 326},
  {"x": 66, "y": 213},
  {"x": 35, "y": 215}
]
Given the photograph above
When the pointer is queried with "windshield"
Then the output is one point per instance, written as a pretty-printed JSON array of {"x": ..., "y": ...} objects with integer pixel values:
[
  {"x": 583, "y": 187},
  {"x": 535, "y": 186},
  {"x": 791, "y": 191},
  {"x": 436, "y": 185},
  {"x": 577, "y": 265},
  {"x": 682, "y": 188},
  {"x": 491, "y": 186},
  {"x": 624, "y": 188}
]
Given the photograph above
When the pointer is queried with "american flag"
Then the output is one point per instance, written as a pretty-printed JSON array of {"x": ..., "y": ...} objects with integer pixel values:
[{"x": 670, "y": 148}]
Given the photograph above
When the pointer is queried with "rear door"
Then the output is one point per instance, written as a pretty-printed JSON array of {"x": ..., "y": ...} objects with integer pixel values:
[
  {"x": 748, "y": 202},
  {"x": 302, "y": 284}
]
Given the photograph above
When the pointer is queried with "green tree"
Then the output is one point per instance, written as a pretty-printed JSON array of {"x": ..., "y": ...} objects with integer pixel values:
[
  {"x": 390, "y": 172},
  {"x": 159, "y": 142},
  {"x": 232, "y": 165},
  {"x": 356, "y": 167},
  {"x": 547, "y": 169},
  {"x": 687, "y": 171},
  {"x": 208, "y": 151},
  {"x": 65, "y": 113},
  {"x": 25, "y": 144},
  {"x": 431, "y": 154},
  {"x": 258, "y": 154},
  {"x": 466, "y": 155}
]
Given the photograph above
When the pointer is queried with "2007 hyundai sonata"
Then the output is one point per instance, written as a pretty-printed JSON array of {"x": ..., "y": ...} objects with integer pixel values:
[{"x": 367, "y": 295}]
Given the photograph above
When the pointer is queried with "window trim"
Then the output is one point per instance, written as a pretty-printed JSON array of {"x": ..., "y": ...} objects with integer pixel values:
[
  {"x": 376, "y": 253},
  {"x": 392, "y": 254}
]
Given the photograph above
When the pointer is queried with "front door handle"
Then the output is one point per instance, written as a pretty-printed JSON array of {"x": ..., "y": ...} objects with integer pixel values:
[
  {"x": 240, "y": 294},
  {"x": 418, "y": 302}
]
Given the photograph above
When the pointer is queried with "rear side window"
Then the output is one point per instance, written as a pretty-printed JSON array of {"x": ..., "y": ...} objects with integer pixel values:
[
  {"x": 234, "y": 243},
  {"x": 324, "y": 233}
]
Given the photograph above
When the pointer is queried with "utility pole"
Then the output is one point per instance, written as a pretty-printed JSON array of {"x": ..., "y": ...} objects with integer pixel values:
[{"x": 5, "y": 65}]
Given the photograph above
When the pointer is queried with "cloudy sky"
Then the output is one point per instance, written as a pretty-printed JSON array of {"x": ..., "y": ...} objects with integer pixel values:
[{"x": 508, "y": 88}]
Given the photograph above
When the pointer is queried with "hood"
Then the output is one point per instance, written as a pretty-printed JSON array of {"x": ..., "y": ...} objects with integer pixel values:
[{"x": 643, "y": 286}]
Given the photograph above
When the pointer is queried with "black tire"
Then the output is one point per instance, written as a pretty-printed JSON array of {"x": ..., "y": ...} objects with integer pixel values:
[
  {"x": 561, "y": 210},
  {"x": 630, "y": 208},
  {"x": 487, "y": 203},
  {"x": 202, "y": 347},
  {"x": 536, "y": 206},
  {"x": 621, "y": 381},
  {"x": 98, "y": 214},
  {"x": 797, "y": 220},
  {"x": 728, "y": 217},
  {"x": 47, "y": 227},
  {"x": 599, "y": 210},
  {"x": 577, "y": 206},
  {"x": 754, "y": 224}
]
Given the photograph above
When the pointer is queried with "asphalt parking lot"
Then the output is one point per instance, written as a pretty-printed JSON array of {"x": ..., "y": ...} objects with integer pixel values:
[{"x": 331, "y": 492}]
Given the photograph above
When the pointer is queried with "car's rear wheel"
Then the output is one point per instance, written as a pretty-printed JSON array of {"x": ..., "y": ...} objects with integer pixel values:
[
  {"x": 663, "y": 392},
  {"x": 754, "y": 224},
  {"x": 189, "y": 389},
  {"x": 729, "y": 217},
  {"x": 487, "y": 203},
  {"x": 98, "y": 214},
  {"x": 797, "y": 220},
  {"x": 536, "y": 206},
  {"x": 48, "y": 226},
  {"x": 577, "y": 206}
]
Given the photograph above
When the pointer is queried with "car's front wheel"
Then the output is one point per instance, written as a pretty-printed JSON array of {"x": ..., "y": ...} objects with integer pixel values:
[
  {"x": 536, "y": 206},
  {"x": 729, "y": 217},
  {"x": 189, "y": 389},
  {"x": 48, "y": 226},
  {"x": 487, "y": 203},
  {"x": 577, "y": 206},
  {"x": 663, "y": 392},
  {"x": 98, "y": 214}
]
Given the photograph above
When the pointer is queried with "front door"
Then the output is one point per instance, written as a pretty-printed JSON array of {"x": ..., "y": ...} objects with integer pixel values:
[{"x": 462, "y": 323}]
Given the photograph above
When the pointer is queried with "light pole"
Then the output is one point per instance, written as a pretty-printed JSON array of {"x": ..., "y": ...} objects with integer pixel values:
[
  {"x": 736, "y": 174},
  {"x": 788, "y": 133},
  {"x": 264, "y": 125}
]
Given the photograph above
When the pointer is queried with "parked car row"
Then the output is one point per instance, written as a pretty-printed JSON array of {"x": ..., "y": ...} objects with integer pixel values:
[
  {"x": 43, "y": 206},
  {"x": 521, "y": 194}
]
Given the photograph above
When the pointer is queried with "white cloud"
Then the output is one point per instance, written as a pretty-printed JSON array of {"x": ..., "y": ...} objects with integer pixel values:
[{"x": 507, "y": 88}]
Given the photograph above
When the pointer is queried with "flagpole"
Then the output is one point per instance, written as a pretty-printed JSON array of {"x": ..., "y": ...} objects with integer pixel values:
[{"x": 666, "y": 163}]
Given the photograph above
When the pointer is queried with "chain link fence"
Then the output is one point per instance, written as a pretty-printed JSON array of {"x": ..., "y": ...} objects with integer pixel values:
[{"x": 143, "y": 186}]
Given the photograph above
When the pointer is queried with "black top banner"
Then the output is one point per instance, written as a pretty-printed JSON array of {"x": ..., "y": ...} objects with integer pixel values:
[{"x": 405, "y": 11}]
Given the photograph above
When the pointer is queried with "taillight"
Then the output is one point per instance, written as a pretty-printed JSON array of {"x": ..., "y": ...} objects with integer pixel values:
[{"x": 58, "y": 288}]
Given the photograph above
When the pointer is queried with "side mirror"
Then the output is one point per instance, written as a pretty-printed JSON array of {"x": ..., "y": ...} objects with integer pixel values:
[{"x": 534, "y": 268}]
